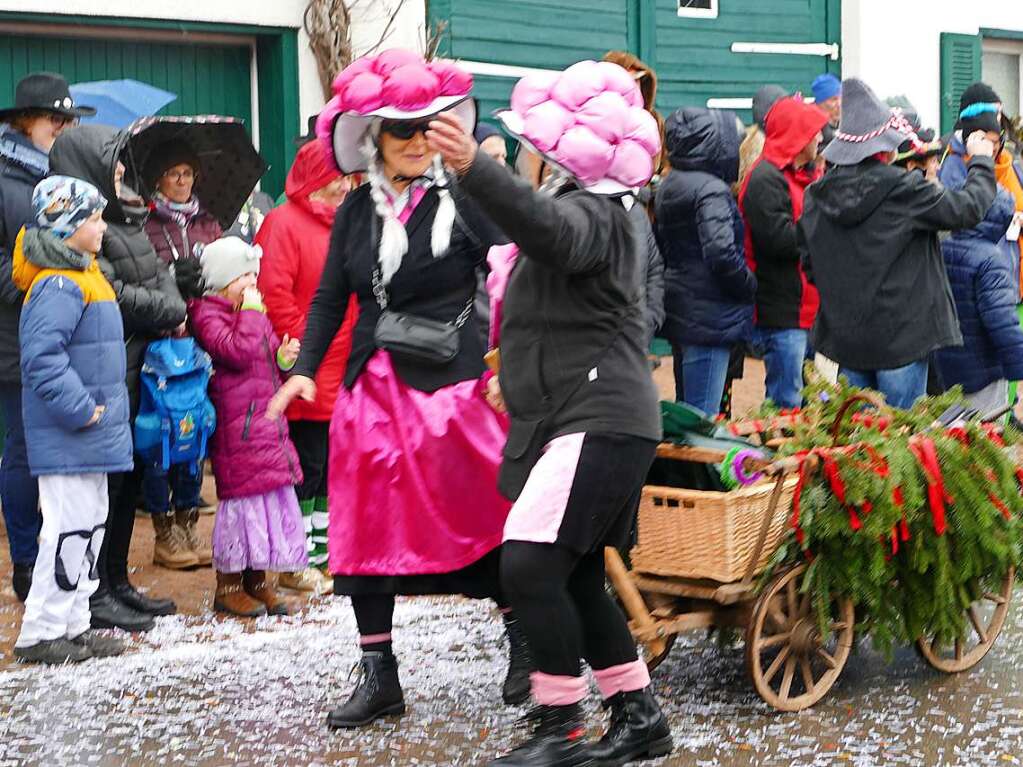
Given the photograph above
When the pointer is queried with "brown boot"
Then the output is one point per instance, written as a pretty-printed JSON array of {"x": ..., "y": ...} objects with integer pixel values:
[
  {"x": 188, "y": 521},
  {"x": 171, "y": 550},
  {"x": 231, "y": 597},
  {"x": 258, "y": 586}
]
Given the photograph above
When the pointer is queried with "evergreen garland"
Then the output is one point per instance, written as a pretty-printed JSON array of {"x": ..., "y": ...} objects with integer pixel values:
[{"x": 910, "y": 520}]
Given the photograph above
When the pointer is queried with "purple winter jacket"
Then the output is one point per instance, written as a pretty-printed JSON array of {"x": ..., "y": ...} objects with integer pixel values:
[
  {"x": 251, "y": 454},
  {"x": 171, "y": 242}
]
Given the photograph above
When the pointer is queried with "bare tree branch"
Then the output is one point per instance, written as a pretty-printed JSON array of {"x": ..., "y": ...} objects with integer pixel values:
[{"x": 388, "y": 29}]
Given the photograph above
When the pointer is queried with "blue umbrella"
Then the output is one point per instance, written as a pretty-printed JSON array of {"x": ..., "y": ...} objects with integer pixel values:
[{"x": 119, "y": 103}]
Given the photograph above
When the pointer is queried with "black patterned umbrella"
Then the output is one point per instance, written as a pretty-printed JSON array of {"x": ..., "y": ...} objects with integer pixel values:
[{"x": 230, "y": 164}]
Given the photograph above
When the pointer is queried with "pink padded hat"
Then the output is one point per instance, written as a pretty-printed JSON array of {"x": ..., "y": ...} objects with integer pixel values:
[
  {"x": 394, "y": 85},
  {"x": 589, "y": 121}
]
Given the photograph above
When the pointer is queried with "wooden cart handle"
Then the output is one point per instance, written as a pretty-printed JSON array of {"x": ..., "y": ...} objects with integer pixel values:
[
  {"x": 869, "y": 397},
  {"x": 765, "y": 526}
]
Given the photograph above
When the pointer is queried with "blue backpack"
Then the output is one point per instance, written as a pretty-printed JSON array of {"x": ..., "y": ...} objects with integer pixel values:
[{"x": 176, "y": 417}]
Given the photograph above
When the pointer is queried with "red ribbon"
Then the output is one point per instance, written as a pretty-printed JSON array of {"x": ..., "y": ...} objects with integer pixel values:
[{"x": 927, "y": 456}]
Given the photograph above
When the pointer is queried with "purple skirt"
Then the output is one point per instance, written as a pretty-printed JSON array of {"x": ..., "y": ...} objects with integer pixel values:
[{"x": 260, "y": 532}]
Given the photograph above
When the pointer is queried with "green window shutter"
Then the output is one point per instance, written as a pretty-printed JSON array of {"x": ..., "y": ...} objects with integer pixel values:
[{"x": 960, "y": 67}]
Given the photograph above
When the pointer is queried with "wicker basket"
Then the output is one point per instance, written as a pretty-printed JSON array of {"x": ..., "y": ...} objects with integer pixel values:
[{"x": 703, "y": 534}]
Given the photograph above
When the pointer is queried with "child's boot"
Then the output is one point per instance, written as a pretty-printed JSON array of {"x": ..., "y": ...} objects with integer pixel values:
[
  {"x": 231, "y": 597},
  {"x": 188, "y": 522},
  {"x": 171, "y": 549},
  {"x": 261, "y": 589}
]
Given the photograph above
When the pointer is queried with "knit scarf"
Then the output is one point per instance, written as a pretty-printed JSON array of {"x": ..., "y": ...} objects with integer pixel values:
[
  {"x": 181, "y": 213},
  {"x": 17, "y": 149},
  {"x": 47, "y": 251}
]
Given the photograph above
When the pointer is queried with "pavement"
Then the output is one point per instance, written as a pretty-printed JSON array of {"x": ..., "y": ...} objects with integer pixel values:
[{"x": 202, "y": 690}]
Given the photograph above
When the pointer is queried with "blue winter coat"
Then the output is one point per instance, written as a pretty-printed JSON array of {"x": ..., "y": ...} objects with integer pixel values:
[
  {"x": 985, "y": 297},
  {"x": 953, "y": 175},
  {"x": 708, "y": 288},
  {"x": 72, "y": 359}
]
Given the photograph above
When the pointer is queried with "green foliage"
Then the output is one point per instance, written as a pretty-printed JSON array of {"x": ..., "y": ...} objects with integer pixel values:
[{"x": 906, "y": 580}]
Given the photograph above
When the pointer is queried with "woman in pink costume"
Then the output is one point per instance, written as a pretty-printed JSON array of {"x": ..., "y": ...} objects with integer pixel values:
[
  {"x": 415, "y": 448},
  {"x": 574, "y": 378}
]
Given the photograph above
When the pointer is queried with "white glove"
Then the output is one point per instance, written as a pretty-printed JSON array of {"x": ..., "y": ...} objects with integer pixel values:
[{"x": 979, "y": 145}]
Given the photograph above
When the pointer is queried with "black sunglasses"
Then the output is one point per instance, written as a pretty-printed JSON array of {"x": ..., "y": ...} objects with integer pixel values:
[{"x": 404, "y": 129}]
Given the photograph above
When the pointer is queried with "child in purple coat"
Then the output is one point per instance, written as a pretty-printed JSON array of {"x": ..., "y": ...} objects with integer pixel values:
[{"x": 259, "y": 523}]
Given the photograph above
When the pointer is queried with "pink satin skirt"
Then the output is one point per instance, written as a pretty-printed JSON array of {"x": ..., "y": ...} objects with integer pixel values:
[{"x": 413, "y": 476}]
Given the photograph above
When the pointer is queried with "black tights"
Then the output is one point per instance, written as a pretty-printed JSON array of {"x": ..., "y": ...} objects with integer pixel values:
[
  {"x": 374, "y": 613},
  {"x": 559, "y": 598}
]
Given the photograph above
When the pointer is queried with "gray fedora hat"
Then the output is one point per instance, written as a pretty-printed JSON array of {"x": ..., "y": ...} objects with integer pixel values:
[{"x": 868, "y": 126}]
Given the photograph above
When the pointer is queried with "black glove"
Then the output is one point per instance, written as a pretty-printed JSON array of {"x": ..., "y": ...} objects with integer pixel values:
[{"x": 188, "y": 275}]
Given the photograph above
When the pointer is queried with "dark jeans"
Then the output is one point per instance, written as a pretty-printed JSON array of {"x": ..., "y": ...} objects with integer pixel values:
[
  {"x": 901, "y": 387},
  {"x": 179, "y": 485},
  {"x": 785, "y": 350},
  {"x": 19, "y": 492},
  {"x": 312, "y": 443}
]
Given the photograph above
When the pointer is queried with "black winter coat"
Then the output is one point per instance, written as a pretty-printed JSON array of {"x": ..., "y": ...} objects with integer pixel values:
[
  {"x": 708, "y": 287},
  {"x": 653, "y": 295},
  {"x": 424, "y": 286},
  {"x": 985, "y": 293},
  {"x": 147, "y": 295},
  {"x": 869, "y": 236},
  {"x": 572, "y": 327},
  {"x": 22, "y": 166}
]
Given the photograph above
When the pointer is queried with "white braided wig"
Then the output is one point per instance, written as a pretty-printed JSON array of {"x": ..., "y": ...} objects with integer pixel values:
[{"x": 393, "y": 238}]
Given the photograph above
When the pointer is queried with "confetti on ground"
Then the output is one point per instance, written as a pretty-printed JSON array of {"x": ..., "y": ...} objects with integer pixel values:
[{"x": 199, "y": 690}]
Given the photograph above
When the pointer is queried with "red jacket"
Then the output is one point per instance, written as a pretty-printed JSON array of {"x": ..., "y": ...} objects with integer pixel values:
[
  {"x": 295, "y": 239},
  {"x": 771, "y": 202}
]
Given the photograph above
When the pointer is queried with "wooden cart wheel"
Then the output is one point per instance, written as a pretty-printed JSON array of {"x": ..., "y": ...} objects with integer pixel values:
[
  {"x": 652, "y": 659},
  {"x": 986, "y": 617},
  {"x": 792, "y": 666}
]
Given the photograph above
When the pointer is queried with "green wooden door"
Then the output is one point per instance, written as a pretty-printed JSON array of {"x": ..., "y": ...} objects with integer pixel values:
[
  {"x": 527, "y": 33},
  {"x": 695, "y": 61},
  {"x": 208, "y": 79},
  {"x": 692, "y": 56}
]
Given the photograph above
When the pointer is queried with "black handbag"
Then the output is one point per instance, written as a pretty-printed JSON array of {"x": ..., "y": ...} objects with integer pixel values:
[{"x": 417, "y": 339}]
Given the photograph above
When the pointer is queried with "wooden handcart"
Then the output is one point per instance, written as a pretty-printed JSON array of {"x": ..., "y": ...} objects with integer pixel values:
[{"x": 695, "y": 567}]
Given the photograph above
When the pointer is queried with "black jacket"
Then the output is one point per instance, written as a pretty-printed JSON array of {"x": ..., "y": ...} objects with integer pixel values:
[
  {"x": 146, "y": 292},
  {"x": 424, "y": 286},
  {"x": 573, "y": 310},
  {"x": 869, "y": 235},
  {"x": 22, "y": 166},
  {"x": 709, "y": 289},
  {"x": 653, "y": 272}
]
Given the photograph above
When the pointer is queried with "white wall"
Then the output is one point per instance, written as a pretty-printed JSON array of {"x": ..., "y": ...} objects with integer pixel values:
[
  {"x": 895, "y": 45},
  {"x": 369, "y": 19}
]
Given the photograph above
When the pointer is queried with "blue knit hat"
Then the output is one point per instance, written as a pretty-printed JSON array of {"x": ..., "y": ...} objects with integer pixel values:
[
  {"x": 826, "y": 87},
  {"x": 61, "y": 204}
]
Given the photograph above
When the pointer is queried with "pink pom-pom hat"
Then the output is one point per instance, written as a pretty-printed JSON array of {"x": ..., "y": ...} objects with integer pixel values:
[
  {"x": 588, "y": 121},
  {"x": 393, "y": 85}
]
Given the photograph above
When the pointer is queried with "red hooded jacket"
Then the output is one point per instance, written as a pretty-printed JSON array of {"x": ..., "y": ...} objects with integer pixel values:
[
  {"x": 295, "y": 239},
  {"x": 771, "y": 202}
]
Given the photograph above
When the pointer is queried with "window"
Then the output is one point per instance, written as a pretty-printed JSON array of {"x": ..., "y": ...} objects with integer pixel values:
[
  {"x": 700, "y": 9},
  {"x": 1002, "y": 68}
]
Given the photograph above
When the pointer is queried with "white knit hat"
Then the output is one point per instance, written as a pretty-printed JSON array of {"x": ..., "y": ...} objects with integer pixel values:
[{"x": 227, "y": 259}]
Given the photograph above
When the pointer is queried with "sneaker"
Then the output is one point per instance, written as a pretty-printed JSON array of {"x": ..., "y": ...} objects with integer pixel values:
[
  {"x": 100, "y": 646},
  {"x": 53, "y": 652}
]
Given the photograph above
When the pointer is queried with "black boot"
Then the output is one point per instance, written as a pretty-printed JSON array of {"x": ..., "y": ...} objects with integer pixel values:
[
  {"x": 559, "y": 740},
  {"x": 128, "y": 595},
  {"x": 377, "y": 695},
  {"x": 520, "y": 664},
  {"x": 638, "y": 730},
  {"x": 21, "y": 579},
  {"x": 109, "y": 613}
]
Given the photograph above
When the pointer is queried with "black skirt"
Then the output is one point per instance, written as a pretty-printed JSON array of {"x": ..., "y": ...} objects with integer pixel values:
[{"x": 479, "y": 580}]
